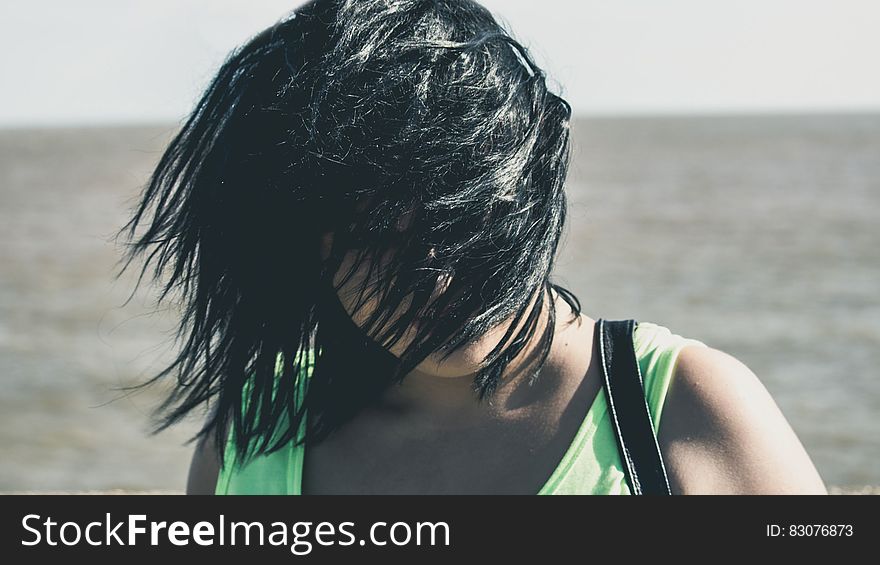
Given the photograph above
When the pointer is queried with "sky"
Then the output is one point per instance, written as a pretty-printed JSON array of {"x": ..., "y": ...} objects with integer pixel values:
[{"x": 115, "y": 61}]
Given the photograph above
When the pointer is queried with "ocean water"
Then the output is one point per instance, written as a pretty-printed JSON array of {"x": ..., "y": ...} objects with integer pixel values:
[{"x": 756, "y": 235}]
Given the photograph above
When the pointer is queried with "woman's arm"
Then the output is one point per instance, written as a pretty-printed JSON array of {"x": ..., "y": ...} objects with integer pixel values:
[
  {"x": 205, "y": 465},
  {"x": 722, "y": 433},
  {"x": 204, "y": 468}
]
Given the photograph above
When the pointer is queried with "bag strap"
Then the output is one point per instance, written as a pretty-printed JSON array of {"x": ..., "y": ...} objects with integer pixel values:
[{"x": 629, "y": 410}]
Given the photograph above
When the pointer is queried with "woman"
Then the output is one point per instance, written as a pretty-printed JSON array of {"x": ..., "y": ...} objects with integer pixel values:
[{"x": 360, "y": 219}]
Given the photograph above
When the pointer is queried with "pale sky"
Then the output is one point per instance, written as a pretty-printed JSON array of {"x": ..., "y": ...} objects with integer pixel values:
[{"x": 112, "y": 61}]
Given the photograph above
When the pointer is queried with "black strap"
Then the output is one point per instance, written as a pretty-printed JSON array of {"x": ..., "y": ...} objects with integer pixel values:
[{"x": 629, "y": 411}]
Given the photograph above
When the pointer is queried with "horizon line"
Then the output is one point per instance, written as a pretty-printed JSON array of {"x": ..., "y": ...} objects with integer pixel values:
[{"x": 673, "y": 114}]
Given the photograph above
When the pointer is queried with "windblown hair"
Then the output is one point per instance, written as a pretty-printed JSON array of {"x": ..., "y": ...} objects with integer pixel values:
[{"x": 345, "y": 117}]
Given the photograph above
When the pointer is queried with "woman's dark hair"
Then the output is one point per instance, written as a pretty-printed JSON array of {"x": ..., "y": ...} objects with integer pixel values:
[{"x": 344, "y": 118}]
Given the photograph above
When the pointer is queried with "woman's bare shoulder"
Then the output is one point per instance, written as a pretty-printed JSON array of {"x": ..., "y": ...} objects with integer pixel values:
[
  {"x": 204, "y": 467},
  {"x": 722, "y": 432}
]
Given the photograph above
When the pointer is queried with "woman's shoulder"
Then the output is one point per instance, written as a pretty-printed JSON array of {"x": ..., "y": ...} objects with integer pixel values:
[
  {"x": 206, "y": 468},
  {"x": 722, "y": 432},
  {"x": 657, "y": 349}
]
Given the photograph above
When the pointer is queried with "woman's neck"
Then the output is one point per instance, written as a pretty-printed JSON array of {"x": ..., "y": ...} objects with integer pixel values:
[{"x": 426, "y": 390}]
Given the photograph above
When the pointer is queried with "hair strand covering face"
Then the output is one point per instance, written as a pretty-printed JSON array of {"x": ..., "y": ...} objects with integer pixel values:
[{"x": 345, "y": 117}]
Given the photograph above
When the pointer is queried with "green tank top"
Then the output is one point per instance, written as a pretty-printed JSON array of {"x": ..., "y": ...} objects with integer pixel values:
[{"x": 591, "y": 464}]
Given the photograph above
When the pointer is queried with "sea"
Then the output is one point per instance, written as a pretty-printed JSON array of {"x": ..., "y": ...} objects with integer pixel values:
[{"x": 756, "y": 234}]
